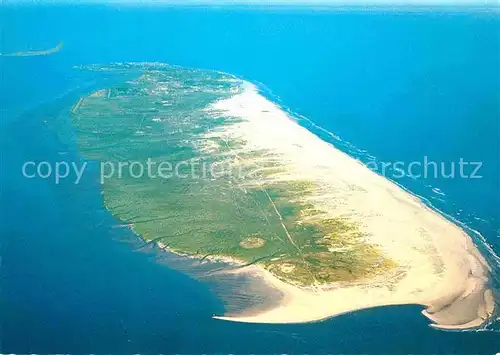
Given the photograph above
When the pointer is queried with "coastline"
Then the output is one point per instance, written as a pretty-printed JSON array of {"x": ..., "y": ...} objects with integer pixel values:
[
  {"x": 441, "y": 268},
  {"x": 333, "y": 236}
]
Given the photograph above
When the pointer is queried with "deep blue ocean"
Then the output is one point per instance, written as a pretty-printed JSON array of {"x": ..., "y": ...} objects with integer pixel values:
[{"x": 383, "y": 86}]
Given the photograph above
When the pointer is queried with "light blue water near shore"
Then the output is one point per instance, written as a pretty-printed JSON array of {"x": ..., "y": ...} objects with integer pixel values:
[{"x": 391, "y": 86}]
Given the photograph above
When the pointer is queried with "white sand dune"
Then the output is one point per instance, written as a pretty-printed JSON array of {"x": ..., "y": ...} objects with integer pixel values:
[{"x": 439, "y": 266}]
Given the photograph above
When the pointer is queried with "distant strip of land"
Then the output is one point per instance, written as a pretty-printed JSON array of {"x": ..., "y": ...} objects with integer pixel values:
[{"x": 35, "y": 52}]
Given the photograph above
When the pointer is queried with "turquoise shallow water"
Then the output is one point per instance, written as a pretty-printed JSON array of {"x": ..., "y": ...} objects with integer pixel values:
[{"x": 428, "y": 88}]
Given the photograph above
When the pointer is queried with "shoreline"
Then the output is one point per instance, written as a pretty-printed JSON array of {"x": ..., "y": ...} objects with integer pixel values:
[
  {"x": 368, "y": 242},
  {"x": 300, "y": 305},
  {"x": 442, "y": 268}
]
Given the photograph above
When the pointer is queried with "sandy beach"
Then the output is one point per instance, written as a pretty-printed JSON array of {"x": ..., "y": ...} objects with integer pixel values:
[{"x": 438, "y": 265}]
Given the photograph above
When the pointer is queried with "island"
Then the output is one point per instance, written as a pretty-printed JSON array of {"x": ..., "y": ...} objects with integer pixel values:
[{"x": 200, "y": 163}]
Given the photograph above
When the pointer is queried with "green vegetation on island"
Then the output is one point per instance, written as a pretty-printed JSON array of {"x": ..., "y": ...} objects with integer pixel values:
[{"x": 238, "y": 208}]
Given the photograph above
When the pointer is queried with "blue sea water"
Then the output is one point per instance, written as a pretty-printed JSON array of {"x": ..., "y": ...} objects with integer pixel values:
[{"x": 382, "y": 85}]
